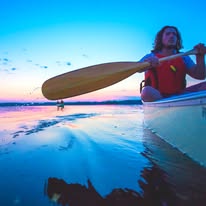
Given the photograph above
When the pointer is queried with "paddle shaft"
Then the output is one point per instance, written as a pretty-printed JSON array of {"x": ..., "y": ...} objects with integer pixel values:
[
  {"x": 95, "y": 77},
  {"x": 191, "y": 52}
]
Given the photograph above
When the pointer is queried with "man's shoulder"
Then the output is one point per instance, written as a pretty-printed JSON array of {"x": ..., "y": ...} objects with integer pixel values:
[{"x": 151, "y": 54}]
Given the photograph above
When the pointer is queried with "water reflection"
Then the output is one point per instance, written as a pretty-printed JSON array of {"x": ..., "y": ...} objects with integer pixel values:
[
  {"x": 156, "y": 191},
  {"x": 172, "y": 179},
  {"x": 184, "y": 176}
]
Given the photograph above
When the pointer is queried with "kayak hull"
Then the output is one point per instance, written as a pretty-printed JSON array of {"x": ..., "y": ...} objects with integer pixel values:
[{"x": 180, "y": 121}]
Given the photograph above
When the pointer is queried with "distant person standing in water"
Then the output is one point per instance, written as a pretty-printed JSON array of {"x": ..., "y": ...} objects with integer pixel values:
[
  {"x": 60, "y": 104},
  {"x": 169, "y": 77}
]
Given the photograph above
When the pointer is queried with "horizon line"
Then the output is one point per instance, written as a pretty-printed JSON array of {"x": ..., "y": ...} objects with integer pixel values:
[{"x": 131, "y": 101}]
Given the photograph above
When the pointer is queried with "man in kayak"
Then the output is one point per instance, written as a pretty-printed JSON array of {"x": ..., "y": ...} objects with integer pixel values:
[{"x": 169, "y": 78}]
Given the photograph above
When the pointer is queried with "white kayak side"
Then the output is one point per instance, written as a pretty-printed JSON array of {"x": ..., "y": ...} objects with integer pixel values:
[{"x": 180, "y": 121}]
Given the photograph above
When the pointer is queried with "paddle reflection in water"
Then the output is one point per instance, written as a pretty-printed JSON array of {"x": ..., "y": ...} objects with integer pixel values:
[{"x": 155, "y": 192}]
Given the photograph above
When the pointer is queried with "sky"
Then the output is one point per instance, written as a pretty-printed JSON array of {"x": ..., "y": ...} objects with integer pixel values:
[{"x": 40, "y": 39}]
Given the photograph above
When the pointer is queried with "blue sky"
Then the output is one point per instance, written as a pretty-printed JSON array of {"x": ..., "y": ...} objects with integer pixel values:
[{"x": 41, "y": 39}]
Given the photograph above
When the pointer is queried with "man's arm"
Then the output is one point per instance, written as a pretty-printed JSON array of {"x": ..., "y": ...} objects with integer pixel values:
[{"x": 198, "y": 71}]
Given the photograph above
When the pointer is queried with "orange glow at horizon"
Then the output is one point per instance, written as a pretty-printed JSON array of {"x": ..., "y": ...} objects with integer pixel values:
[{"x": 101, "y": 95}]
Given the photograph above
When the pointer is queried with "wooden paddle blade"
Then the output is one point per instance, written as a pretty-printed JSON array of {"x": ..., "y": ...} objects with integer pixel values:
[{"x": 89, "y": 79}]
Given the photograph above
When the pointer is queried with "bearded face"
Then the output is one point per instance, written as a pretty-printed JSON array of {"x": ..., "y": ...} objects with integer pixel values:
[{"x": 169, "y": 38}]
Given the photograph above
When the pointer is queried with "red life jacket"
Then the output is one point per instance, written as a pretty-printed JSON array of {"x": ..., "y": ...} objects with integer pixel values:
[{"x": 168, "y": 77}]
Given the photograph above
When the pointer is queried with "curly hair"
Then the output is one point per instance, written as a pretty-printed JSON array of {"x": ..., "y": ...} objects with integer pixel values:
[{"x": 157, "y": 46}]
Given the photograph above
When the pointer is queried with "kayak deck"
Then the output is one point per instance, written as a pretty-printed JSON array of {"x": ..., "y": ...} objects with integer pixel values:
[{"x": 193, "y": 98}]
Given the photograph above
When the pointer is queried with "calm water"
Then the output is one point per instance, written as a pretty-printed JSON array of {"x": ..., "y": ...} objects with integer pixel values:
[{"x": 91, "y": 155}]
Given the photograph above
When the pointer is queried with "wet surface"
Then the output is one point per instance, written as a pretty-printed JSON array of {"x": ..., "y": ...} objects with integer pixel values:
[{"x": 97, "y": 155}]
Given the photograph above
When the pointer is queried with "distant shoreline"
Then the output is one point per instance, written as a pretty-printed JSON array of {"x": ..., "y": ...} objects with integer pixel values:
[{"x": 112, "y": 102}]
